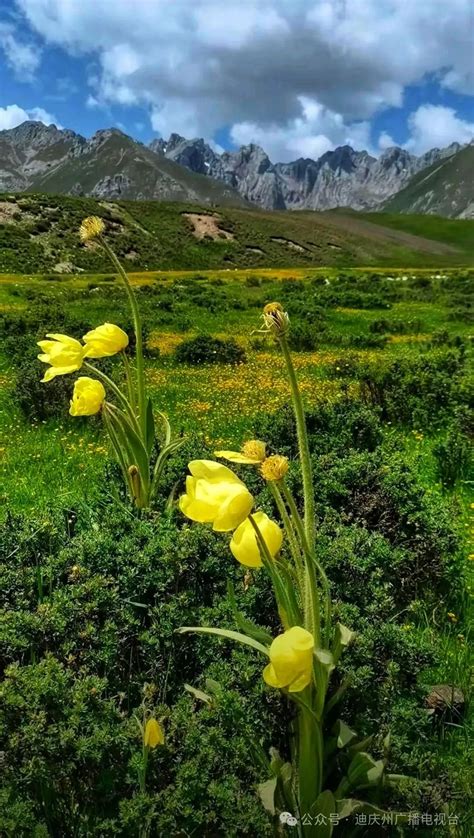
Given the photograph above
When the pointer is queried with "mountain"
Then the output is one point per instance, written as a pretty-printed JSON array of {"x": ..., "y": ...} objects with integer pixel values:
[
  {"x": 39, "y": 158},
  {"x": 340, "y": 178},
  {"x": 112, "y": 165},
  {"x": 444, "y": 188}
]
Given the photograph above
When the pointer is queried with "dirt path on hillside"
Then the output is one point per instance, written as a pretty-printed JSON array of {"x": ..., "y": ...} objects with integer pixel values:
[{"x": 361, "y": 227}]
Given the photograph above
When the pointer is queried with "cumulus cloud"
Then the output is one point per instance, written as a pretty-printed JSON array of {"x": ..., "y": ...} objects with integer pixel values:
[
  {"x": 436, "y": 126},
  {"x": 13, "y": 115},
  {"x": 201, "y": 65},
  {"x": 23, "y": 58},
  {"x": 311, "y": 134}
]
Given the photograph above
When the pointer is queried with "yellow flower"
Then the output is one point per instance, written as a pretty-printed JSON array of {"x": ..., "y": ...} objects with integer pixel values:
[
  {"x": 153, "y": 734},
  {"x": 104, "y": 341},
  {"x": 253, "y": 452},
  {"x": 274, "y": 468},
  {"x": 244, "y": 546},
  {"x": 452, "y": 617},
  {"x": 291, "y": 660},
  {"x": 65, "y": 355},
  {"x": 91, "y": 228},
  {"x": 87, "y": 398},
  {"x": 214, "y": 494}
]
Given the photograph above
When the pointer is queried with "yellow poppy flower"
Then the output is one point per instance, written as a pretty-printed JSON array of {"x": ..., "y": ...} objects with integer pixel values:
[
  {"x": 291, "y": 660},
  {"x": 104, "y": 341},
  {"x": 214, "y": 494},
  {"x": 253, "y": 452},
  {"x": 63, "y": 353},
  {"x": 153, "y": 734},
  {"x": 244, "y": 546},
  {"x": 87, "y": 398}
]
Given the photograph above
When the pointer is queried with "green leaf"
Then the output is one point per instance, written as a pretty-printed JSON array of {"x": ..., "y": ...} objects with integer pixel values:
[
  {"x": 344, "y": 734},
  {"x": 346, "y": 807},
  {"x": 320, "y": 814},
  {"x": 150, "y": 427},
  {"x": 226, "y": 633},
  {"x": 364, "y": 771},
  {"x": 199, "y": 694},
  {"x": 342, "y": 637},
  {"x": 136, "y": 452},
  {"x": 266, "y": 793}
]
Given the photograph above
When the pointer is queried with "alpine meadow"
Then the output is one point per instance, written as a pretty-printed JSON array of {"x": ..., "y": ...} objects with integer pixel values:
[{"x": 236, "y": 419}]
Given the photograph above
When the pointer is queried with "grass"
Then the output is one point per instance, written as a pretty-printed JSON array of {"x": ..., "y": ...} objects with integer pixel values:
[{"x": 38, "y": 235}]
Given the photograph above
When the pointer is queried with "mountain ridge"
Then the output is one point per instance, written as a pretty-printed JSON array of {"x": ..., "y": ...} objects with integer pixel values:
[{"x": 113, "y": 165}]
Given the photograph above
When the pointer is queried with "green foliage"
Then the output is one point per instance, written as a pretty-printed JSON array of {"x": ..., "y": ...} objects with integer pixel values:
[{"x": 205, "y": 349}]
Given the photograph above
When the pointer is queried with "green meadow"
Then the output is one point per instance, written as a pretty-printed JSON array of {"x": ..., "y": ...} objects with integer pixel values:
[{"x": 93, "y": 590}]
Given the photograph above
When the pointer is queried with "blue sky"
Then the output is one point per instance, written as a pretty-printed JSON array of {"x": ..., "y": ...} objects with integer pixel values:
[{"x": 296, "y": 76}]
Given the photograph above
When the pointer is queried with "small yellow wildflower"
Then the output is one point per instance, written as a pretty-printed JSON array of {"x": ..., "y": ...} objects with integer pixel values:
[
  {"x": 105, "y": 340},
  {"x": 452, "y": 617},
  {"x": 63, "y": 353},
  {"x": 214, "y": 494}
]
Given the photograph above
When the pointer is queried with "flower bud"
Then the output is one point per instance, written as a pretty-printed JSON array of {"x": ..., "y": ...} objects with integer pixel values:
[
  {"x": 275, "y": 319},
  {"x": 153, "y": 734}
]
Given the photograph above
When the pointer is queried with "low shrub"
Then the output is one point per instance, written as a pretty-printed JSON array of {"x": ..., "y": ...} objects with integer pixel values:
[{"x": 205, "y": 349}]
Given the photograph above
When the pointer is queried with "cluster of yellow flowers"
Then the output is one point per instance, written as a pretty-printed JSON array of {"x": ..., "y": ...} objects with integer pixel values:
[
  {"x": 65, "y": 355},
  {"x": 215, "y": 495}
]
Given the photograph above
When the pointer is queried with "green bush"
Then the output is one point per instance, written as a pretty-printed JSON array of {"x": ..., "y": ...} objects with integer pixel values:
[{"x": 205, "y": 349}]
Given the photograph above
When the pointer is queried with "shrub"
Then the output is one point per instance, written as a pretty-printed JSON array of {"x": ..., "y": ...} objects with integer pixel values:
[
  {"x": 205, "y": 349},
  {"x": 453, "y": 456}
]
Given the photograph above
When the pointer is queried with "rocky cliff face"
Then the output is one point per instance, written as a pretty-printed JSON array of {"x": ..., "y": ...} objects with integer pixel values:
[
  {"x": 112, "y": 165},
  {"x": 340, "y": 178},
  {"x": 108, "y": 165}
]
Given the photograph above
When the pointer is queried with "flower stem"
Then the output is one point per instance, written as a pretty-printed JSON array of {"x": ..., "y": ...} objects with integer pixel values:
[
  {"x": 305, "y": 456},
  {"x": 138, "y": 335},
  {"x": 290, "y": 531}
]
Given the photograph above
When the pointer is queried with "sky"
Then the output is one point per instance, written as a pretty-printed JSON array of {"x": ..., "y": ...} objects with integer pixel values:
[{"x": 298, "y": 77}]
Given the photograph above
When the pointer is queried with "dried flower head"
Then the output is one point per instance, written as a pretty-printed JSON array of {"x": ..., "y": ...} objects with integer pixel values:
[
  {"x": 274, "y": 467},
  {"x": 91, "y": 228}
]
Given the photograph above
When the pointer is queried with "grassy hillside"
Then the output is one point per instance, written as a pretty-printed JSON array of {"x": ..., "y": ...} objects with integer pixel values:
[
  {"x": 445, "y": 188},
  {"x": 38, "y": 234}
]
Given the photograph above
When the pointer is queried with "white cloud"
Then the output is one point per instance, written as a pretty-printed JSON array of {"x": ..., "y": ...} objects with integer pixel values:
[
  {"x": 311, "y": 134},
  {"x": 386, "y": 141},
  {"x": 200, "y": 65},
  {"x": 23, "y": 58},
  {"x": 13, "y": 115},
  {"x": 436, "y": 126}
]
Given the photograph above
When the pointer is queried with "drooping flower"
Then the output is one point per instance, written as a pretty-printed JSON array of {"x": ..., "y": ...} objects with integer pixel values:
[
  {"x": 253, "y": 452},
  {"x": 274, "y": 467},
  {"x": 105, "y": 340},
  {"x": 63, "y": 353},
  {"x": 153, "y": 734},
  {"x": 244, "y": 546},
  {"x": 214, "y": 494},
  {"x": 291, "y": 660},
  {"x": 87, "y": 398},
  {"x": 91, "y": 228}
]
